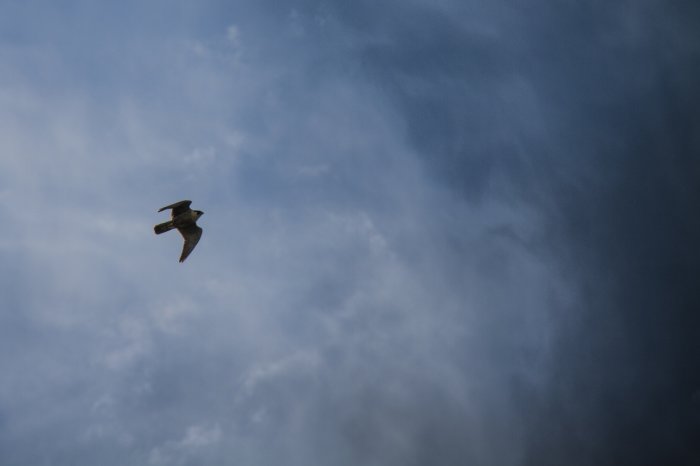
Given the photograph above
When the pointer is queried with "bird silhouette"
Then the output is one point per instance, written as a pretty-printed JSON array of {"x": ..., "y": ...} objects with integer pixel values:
[{"x": 185, "y": 220}]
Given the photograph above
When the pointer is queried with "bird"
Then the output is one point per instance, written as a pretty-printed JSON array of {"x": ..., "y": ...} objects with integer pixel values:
[{"x": 185, "y": 220}]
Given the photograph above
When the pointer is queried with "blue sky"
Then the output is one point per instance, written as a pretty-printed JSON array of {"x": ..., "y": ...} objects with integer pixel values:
[{"x": 435, "y": 232}]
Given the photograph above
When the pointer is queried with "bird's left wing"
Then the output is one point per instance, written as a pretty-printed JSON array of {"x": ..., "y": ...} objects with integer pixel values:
[
  {"x": 178, "y": 207},
  {"x": 191, "y": 233}
]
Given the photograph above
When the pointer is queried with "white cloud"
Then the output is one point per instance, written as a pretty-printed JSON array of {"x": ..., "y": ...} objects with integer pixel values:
[
  {"x": 200, "y": 436},
  {"x": 195, "y": 438},
  {"x": 132, "y": 341},
  {"x": 301, "y": 362},
  {"x": 233, "y": 34},
  {"x": 171, "y": 316}
]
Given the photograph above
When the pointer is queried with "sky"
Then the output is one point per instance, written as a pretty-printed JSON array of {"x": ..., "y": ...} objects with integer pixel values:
[{"x": 436, "y": 232}]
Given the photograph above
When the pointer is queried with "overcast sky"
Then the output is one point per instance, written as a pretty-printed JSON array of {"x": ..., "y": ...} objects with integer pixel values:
[{"x": 439, "y": 232}]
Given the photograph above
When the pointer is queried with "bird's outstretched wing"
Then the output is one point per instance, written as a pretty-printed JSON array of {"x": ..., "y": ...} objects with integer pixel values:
[
  {"x": 191, "y": 233},
  {"x": 178, "y": 207}
]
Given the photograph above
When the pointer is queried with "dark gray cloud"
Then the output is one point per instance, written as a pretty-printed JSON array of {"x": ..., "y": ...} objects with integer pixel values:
[
  {"x": 589, "y": 113},
  {"x": 436, "y": 232}
]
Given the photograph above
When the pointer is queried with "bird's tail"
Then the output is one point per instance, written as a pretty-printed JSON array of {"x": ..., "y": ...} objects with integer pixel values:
[{"x": 163, "y": 227}]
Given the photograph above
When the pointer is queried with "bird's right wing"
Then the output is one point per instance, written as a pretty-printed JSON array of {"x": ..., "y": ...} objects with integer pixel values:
[
  {"x": 178, "y": 207},
  {"x": 191, "y": 233}
]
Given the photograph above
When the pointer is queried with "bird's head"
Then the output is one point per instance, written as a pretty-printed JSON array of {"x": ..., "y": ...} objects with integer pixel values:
[{"x": 199, "y": 213}]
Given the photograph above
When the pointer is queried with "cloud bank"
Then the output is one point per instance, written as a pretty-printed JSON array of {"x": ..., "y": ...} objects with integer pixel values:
[{"x": 435, "y": 232}]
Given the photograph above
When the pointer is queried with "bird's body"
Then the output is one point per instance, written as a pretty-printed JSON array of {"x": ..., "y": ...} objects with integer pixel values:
[{"x": 185, "y": 220}]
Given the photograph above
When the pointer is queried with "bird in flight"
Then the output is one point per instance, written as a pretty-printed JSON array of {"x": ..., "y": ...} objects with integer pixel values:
[{"x": 185, "y": 220}]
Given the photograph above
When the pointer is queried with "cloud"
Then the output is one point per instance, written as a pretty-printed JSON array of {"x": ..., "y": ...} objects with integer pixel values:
[
  {"x": 436, "y": 232},
  {"x": 233, "y": 35},
  {"x": 196, "y": 438}
]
